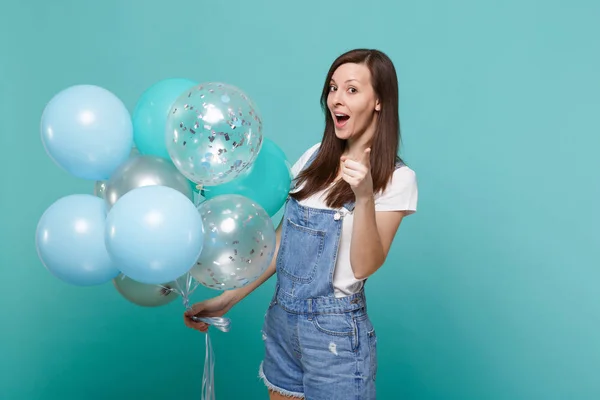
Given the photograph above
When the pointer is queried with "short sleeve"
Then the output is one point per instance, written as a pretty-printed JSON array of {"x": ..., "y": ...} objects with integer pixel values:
[
  {"x": 401, "y": 194},
  {"x": 299, "y": 165}
]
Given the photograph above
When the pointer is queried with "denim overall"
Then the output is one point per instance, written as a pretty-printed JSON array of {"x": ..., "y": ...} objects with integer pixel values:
[{"x": 317, "y": 346}]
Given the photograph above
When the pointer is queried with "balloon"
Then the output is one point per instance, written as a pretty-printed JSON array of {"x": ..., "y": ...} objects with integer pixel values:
[
  {"x": 239, "y": 242},
  {"x": 87, "y": 131},
  {"x": 267, "y": 182},
  {"x": 278, "y": 217},
  {"x": 150, "y": 115},
  {"x": 100, "y": 189},
  {"x": 145, "y": 171},
  {"x": 143, "y": 294},
  {"x": 70, "y": 241},
  {"x": 154, "y": 234},
  {"x": 214, "y": 133},
  {"x": 100, "y": 186}
]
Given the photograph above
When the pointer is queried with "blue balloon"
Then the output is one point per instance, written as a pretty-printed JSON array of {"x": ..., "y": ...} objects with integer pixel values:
[
  {"x": 87, "y": 131},
  {"x": 154, "y": 234},
  {"x": 267, "y": 182},
  {"x": 70, "y": 241},
  {"x": 150, "y": 115}
]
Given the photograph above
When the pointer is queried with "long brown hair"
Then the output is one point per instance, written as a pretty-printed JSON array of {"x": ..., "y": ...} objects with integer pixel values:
[{"x": 386, "y": 139}]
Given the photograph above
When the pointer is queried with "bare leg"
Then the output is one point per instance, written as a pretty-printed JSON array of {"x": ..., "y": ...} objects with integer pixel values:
[{"x": 276, "y": 396}]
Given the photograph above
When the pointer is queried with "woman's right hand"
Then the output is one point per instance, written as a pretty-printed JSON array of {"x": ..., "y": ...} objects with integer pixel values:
[{"x": 215, "y": 307}]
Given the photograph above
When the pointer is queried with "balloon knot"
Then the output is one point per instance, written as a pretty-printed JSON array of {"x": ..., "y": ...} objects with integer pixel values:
[{"x": 165, "y": 290}]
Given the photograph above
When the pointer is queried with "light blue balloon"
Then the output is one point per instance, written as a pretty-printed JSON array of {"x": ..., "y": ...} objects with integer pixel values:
[
  {"x": 87, "y": 131},
  {"x": 154, "y": 234},
  {"x": 150, "y": 115},
  {"x": 70, "y": 241},
  {"x": 267, "y": 182}
]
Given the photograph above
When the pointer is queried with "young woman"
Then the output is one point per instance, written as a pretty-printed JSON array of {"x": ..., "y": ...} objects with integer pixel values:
[{"x": 351, "y": 193}]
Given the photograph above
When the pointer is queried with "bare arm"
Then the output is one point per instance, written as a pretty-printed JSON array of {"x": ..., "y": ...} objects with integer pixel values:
[{"x": 372, "y": 236}]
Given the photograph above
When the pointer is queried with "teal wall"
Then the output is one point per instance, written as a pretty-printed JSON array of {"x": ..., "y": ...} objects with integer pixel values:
[{"x": 490, "y": 290}]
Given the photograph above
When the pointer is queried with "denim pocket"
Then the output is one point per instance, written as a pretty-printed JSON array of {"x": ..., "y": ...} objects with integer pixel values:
[
  {"x": 300, "y": 251},
  {"x": 335, "y": 324}
]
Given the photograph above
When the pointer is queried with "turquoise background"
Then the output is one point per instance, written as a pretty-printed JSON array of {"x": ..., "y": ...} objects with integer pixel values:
[{"x": 490, "y": 290}]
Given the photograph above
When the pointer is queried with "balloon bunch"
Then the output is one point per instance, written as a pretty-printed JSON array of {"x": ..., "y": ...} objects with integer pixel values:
[{"x": 185, "y": 188}]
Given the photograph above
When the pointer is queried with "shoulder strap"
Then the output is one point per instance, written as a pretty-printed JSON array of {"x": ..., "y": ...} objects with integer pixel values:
[
  {"x": 306, "y": 164},
  {"x": 312, "y": 158},
  {"x": 399, "y": 163}
]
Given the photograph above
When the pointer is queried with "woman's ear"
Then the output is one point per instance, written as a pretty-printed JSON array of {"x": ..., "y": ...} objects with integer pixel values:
[{"x": 377, "y": 105}]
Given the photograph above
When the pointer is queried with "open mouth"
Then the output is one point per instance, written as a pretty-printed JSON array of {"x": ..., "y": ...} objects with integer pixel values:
[{"x": 341, "y": 119}]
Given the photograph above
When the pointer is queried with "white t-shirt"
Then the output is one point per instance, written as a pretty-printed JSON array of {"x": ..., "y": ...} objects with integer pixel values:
[{"x": 401, "y": 194}]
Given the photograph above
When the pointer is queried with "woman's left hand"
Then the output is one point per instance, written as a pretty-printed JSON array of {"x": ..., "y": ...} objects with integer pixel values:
[{"x": 358, "y": 175}]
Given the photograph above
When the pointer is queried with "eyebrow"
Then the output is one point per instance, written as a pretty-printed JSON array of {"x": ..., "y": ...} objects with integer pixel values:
[{"x": 349, "y": 80}]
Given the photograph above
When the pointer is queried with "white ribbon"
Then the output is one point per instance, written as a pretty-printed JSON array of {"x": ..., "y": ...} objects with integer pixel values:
[
  {"x": 208, "y": 379},
  {"x": 221, "y": 323}
]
